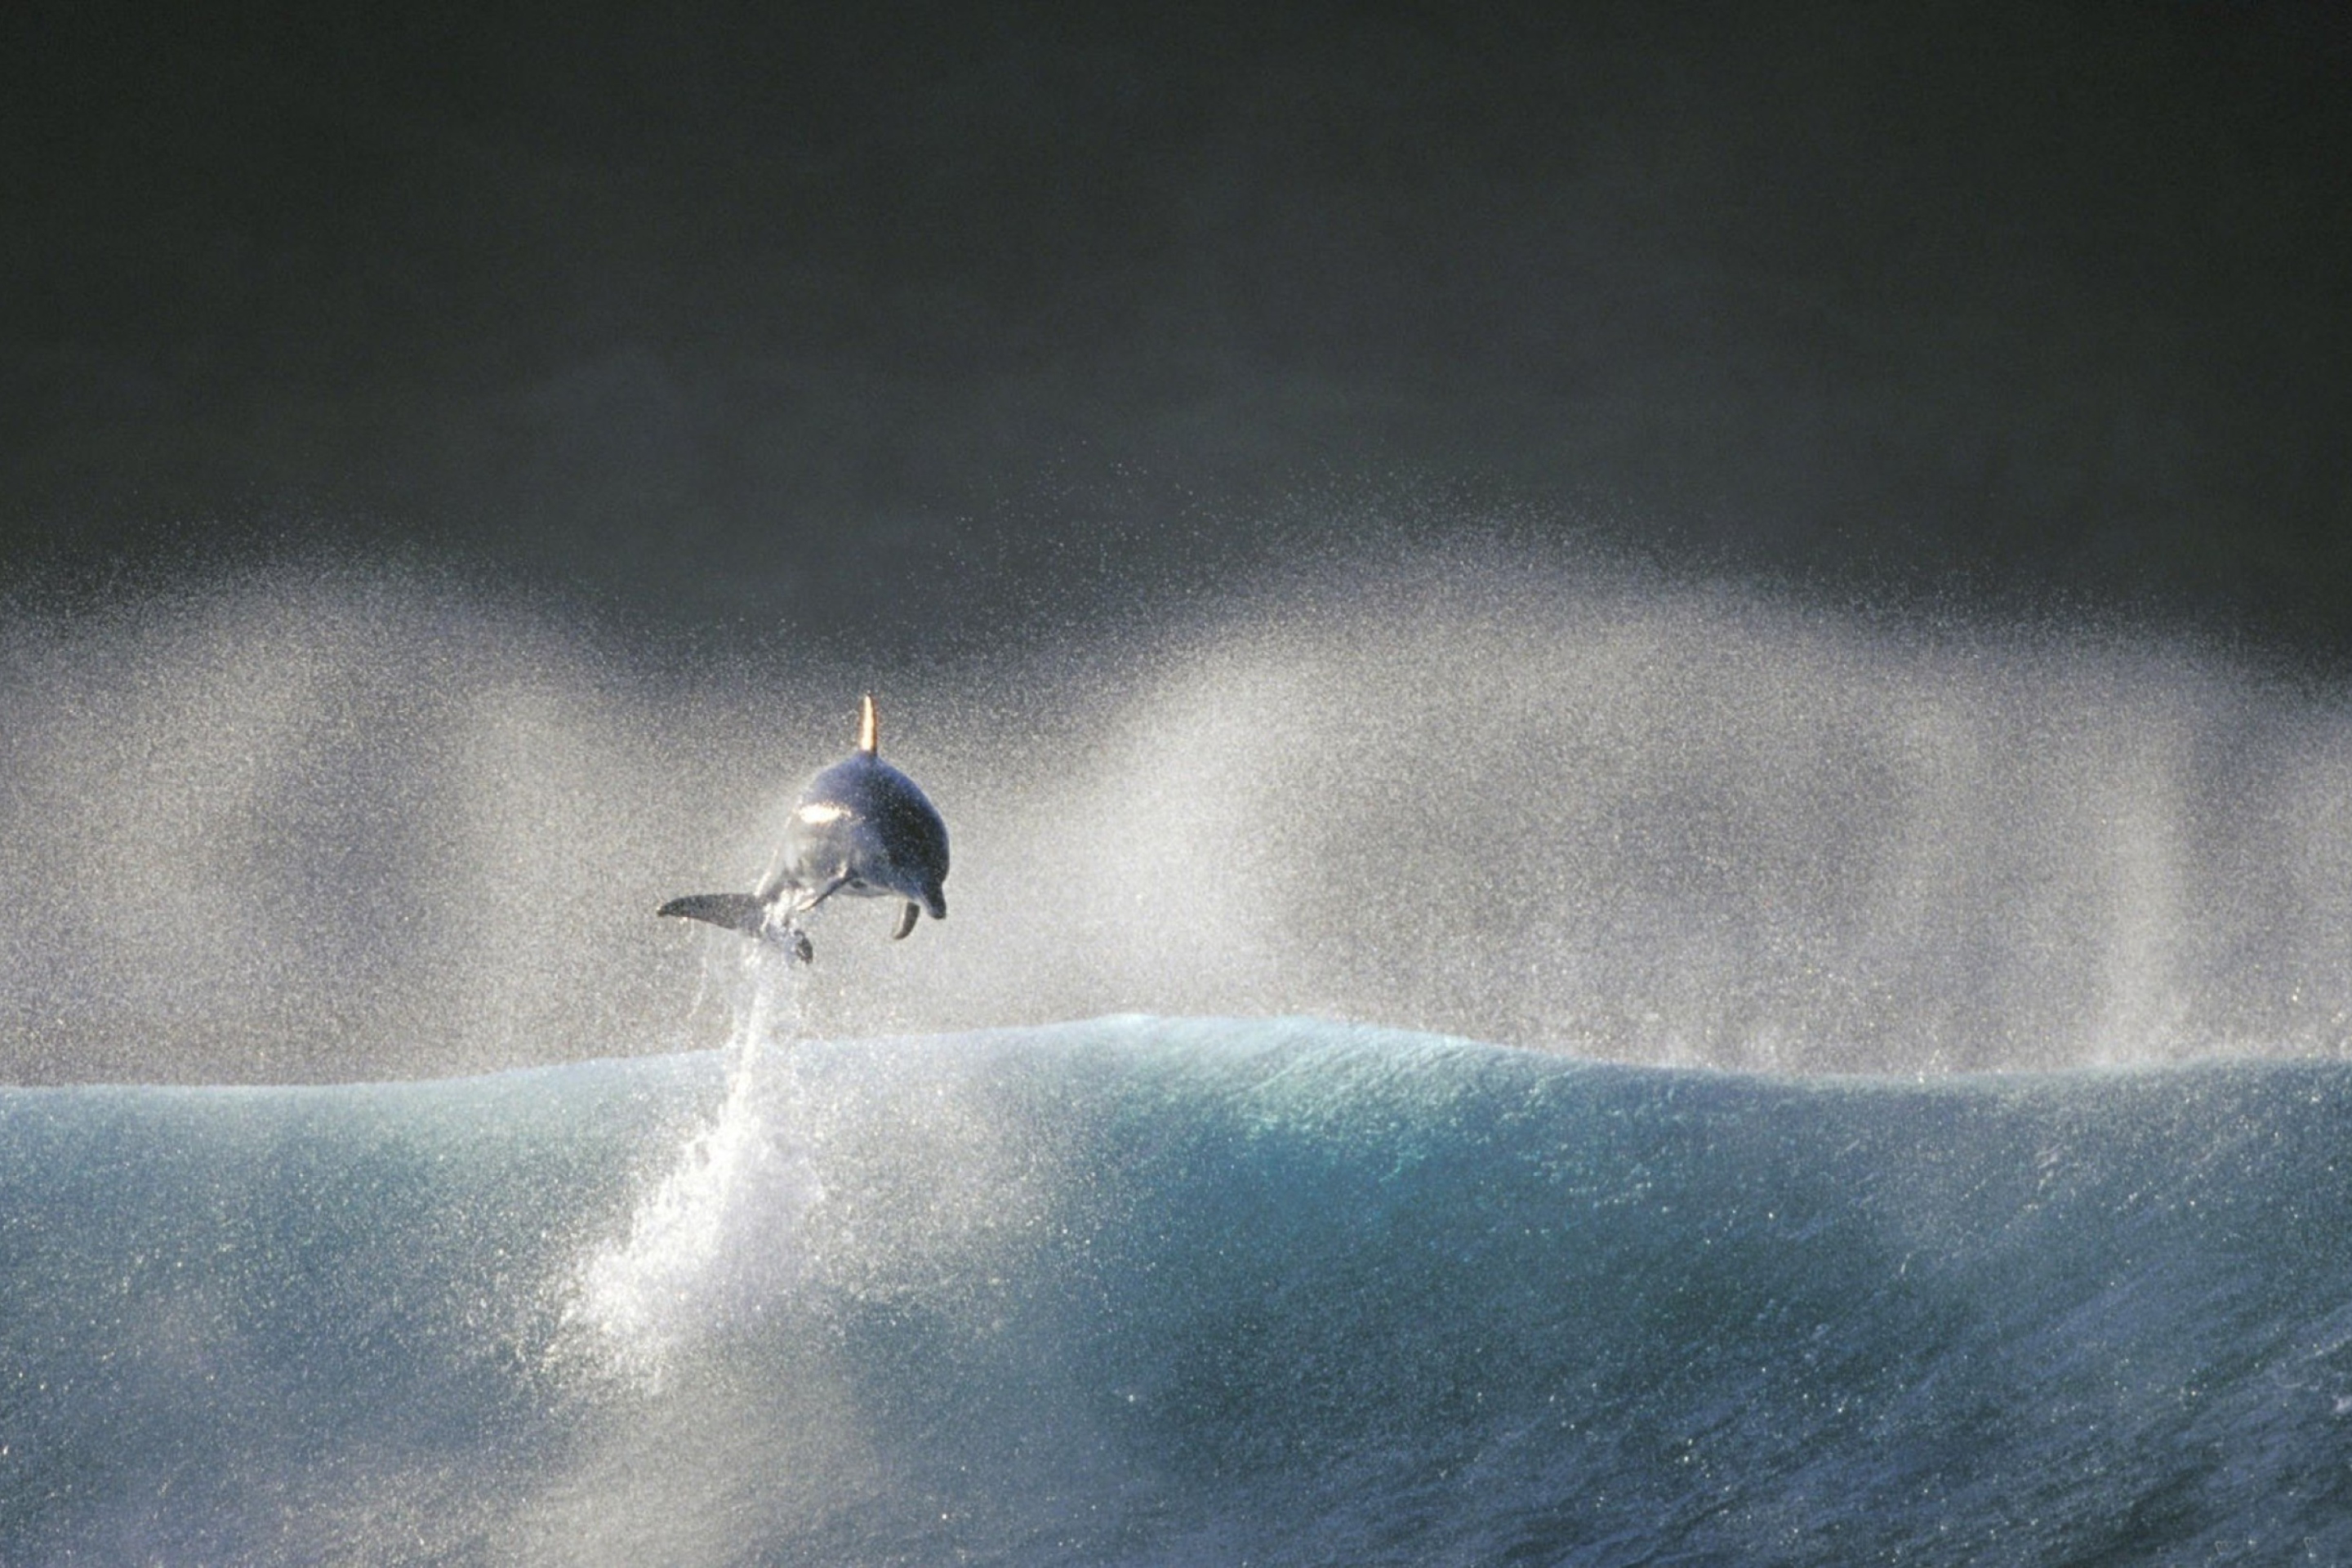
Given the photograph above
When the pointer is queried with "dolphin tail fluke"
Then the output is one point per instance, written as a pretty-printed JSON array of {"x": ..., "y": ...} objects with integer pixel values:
[
  {"x": 908, "y": 915},
  {"x": 869, "y": 727},
  {"x": 737, "y": 911}
]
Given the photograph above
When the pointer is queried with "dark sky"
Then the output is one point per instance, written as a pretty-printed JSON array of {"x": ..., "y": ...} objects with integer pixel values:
[{"x": 862, "y": 319}]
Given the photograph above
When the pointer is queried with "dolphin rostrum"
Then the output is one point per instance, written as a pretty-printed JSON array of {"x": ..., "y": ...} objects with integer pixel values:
[{"x": 861, "y": 827}]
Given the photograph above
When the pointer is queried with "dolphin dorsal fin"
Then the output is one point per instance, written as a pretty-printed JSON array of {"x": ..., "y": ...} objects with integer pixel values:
[{"x": 869, "y": 727}]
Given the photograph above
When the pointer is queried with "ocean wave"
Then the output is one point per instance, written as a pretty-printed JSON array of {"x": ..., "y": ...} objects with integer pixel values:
[{"x": 1180, "y": 1289}]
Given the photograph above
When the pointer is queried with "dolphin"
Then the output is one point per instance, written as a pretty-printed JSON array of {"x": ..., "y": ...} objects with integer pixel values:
[{"x": 862, "y": 828}]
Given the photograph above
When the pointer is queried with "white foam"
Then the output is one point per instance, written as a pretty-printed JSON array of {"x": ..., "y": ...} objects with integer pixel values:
[{"x": 720, "y": 1238}]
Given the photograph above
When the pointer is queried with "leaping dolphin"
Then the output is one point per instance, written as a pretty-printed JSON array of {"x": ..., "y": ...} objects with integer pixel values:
[{"x": 861, "y": 827}]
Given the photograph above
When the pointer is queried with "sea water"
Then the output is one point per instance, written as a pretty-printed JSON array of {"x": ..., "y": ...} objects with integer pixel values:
[{"x": 1179, "y": 1290}]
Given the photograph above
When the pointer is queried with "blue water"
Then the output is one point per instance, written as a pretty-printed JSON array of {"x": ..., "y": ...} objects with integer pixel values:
[{"x": 1176, "y": 1291}]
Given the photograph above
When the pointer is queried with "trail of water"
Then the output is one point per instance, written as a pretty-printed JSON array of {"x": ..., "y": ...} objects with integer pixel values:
[{"x": 720, "y": 1236}]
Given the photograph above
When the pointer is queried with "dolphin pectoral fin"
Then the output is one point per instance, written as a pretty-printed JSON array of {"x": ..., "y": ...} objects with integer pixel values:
[
  {"x": 908, "y": 915},
  {"x": 743, "y": 912}
]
